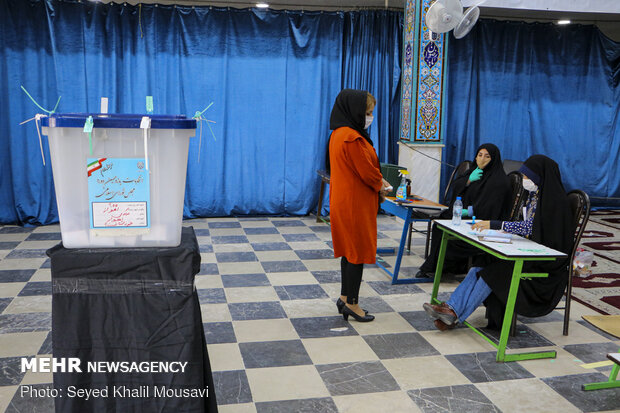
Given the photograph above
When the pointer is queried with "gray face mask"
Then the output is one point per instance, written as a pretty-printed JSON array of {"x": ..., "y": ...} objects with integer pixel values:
[
  {"x": 529, "y": 185},
  {"x": 369, "y": 119}
]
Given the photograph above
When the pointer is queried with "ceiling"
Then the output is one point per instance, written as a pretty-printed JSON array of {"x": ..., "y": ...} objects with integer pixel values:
[{"x": 609, "y": 23}]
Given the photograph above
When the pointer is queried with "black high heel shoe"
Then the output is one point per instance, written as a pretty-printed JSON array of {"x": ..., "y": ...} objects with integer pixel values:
[
  {"x": 340, "y": 304},
  {"x": 346, "y": 312}
]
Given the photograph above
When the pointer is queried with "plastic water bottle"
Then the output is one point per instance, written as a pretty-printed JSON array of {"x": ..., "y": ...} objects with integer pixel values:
[{"x": 457, "y": 209}]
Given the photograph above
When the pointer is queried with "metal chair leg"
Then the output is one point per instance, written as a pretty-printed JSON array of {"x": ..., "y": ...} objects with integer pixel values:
[
  {"x": 428, "y": 239},
  {"x": 320, "y": 206},
  {"x": 569, "y": 288}
]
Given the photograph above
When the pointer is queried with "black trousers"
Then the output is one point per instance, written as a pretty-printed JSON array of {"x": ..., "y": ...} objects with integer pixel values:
[{"x": 351, "y": 280}]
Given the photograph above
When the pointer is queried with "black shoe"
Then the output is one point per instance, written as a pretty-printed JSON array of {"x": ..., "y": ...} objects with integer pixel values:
[
  {"x": 340, "y": 304},
  {"x": 346, "y": 312},
  {"x": 424, "y": 274}
]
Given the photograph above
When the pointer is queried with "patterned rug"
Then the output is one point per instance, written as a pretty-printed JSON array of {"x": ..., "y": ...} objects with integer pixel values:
[{"x": 601, "y": 290}]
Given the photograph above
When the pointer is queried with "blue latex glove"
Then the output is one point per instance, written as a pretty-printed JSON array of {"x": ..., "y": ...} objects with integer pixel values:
[
  {"x": 475, "y": 175},
  {"x": 469, "y": 212}
]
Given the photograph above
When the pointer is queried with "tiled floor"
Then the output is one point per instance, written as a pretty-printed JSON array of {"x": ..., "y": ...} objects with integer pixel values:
[{"x": 267, "y": 288}]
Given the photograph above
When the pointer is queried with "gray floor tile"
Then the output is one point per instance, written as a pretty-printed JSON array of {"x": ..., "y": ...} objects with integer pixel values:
[
  {"x": 356, "y": 378},
  {"x": 209, "y": 269},
  {"x": 570, "y": 387},
  {"x": 386, "y": 288},
  {"x": 274, "y": 354},
  {"x": 26, "y": 253},
  {"x": 256, "y": 311},
  {"x": 482, "y": 367},
  {"x": 219, "y": 332},
  {"x": 44, "y": 236},
  {"x": 270, "y": 246},
  {"x": 10, "y": 371},
  {"x": 11, "y": 276},
  {"x": 300, "y": 292},
  {"x": 36, "y": 288},
  {"x": 592, "y": 352},
  {"x": 457, "y": 399},
  {"x": 244, "y": 280},
  {"x": 314, "y": 327},
  {"x": 211, "y": 295},
  {"x": 46, "y": 347},
  {"x": 288, "y": 223},
  {"x": 283, "y": 266},
  {"x": 261, "y": 230},
  {"x": 31, "y": 403},
  {"x": 224, "y": 224},
  {"x": 400, "y": 345},
  {"x": 20, "y": 323},
  {"x": 229, "y": 239},
  {"x": 300, "y": 237},
  {"x": 315, "y": 254},
  {"x": 239, "y": 256},
  {"x": 320, "y": 405},
  {"x": 231, "y": 387},
  {"x": 524, "y": 337},
  {"x": 327, "y": 277}
]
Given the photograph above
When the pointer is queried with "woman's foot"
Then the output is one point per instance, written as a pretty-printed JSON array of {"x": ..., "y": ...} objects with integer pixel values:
[
  {"x": 445, "y": 313},
  {"x": 357, "y": 313},
  {"x": 441, "y": 326},
  {"x": 340, "y": 303}
]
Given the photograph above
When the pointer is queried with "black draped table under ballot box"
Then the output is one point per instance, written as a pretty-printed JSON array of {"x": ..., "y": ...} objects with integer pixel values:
[{"x": 132, "y": 318}]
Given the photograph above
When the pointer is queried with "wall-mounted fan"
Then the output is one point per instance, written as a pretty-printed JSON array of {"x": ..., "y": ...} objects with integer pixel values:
[{"x": 445, "y": 15}]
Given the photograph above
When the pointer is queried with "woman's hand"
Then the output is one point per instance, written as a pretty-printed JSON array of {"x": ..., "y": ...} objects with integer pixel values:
[{"x": 481, "y": 225}]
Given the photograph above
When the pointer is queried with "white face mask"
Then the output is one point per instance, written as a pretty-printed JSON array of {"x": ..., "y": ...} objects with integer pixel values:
[
  {"x": 529, "y": 185},
  {"x": 369, "y": 119}
]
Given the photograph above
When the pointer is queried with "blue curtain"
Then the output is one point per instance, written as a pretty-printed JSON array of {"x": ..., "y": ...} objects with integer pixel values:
[
  {"x": 538, "y": 88},
  {"x": 272, "y": 75}
]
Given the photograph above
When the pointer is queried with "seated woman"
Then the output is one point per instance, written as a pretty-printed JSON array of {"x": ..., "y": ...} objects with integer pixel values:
[
  {"x": 549, "y": 222},
  {"x": 485, "y": 188}
]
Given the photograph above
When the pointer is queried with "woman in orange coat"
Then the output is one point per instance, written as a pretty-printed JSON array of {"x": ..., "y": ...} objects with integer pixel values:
[{"x": 355, "y": 185}]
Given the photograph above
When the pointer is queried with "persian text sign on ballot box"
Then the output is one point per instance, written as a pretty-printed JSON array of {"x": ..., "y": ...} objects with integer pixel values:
[
  {"x": 119, "y": 179},
  {"x": 131, "y": 318}
]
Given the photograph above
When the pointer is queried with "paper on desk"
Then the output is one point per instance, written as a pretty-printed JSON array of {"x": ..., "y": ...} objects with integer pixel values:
[{"x": 492, "y": 236}]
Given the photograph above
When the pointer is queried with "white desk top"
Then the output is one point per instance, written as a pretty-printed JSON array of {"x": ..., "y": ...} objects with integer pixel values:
[{"x": 518, "y": 248}]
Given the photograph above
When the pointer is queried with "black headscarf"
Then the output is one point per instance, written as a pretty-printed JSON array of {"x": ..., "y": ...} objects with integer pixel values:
[
  {"x": 490, "y": 195},
  {"x": 553, "y": 227},
  {"x": 553, "y": 222},
  {"x": 349, "y": 110}
]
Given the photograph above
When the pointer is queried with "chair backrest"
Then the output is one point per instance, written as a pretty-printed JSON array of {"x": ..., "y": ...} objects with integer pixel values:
[
  {"x": 511, "y": 165},
  {"x": 579, "y": 203},
  {"x": 458, "y": 171},
  {"x": 518, "y": 195}
]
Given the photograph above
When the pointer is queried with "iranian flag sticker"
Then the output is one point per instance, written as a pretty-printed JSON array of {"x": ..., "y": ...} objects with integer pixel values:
[{"x": 93, "y": 166}]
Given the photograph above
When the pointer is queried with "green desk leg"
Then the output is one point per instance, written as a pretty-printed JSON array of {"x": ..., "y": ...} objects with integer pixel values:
[
  {"x": 439, "y": 270},
  {"x": 612, "y": 383},
  {"x": 510, "y": 307}
]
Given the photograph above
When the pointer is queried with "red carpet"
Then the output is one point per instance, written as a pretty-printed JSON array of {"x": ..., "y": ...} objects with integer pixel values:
[{"x": 601, "y": 290}]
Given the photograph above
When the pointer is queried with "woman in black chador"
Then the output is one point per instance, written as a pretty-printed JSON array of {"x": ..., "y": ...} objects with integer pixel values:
[
  {"x": 486, "y": 188},
  {"x": 548, "y": 221}
]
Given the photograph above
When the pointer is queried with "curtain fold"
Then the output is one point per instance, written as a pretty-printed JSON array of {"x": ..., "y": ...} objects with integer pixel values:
[
  {"x": 272, "y": 77},
  {"x": 538, "y": 88}
]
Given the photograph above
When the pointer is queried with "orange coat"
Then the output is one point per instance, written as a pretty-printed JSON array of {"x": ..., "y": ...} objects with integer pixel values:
[{"x": 355, "y": 181}]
